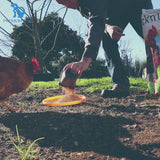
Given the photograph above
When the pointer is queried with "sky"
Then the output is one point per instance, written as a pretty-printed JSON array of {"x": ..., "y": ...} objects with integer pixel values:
[{"x": 75, "y": 21}]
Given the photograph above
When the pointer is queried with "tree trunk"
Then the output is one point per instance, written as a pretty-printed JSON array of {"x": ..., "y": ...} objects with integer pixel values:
[{"x": 38, "y": 49}]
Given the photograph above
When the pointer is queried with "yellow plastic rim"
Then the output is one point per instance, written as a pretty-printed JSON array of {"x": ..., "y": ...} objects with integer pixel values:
[{"x": 51, "y": 101}]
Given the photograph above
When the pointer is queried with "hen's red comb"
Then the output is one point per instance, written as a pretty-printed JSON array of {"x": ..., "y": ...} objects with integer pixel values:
[{"x": 35, "y": 65}]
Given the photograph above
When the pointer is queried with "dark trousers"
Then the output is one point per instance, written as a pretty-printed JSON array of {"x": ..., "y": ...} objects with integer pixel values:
[{"x": 110, "y": 46}]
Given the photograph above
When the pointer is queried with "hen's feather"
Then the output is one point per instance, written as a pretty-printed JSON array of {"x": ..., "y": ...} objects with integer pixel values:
[{"x": 15, "y": 76}]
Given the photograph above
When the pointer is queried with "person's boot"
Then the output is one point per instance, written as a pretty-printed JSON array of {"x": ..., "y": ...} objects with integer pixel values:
[{"x": 118, "y": 91}]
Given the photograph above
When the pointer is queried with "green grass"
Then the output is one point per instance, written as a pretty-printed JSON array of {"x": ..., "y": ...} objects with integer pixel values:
[
  {"x": 95, "y": 84},
  {"x": 92, "y": 85},
  {"x": 45, "y": 85},
  {"x": 26, "y": 151}
]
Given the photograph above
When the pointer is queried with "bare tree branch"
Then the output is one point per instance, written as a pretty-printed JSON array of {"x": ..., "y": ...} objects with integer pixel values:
[
  {"x": 47, "y": 8},
  {"x": 60, "y": 9},
  {"x": 30, "y": 8},
  {"x": 2, "y": 52},
  {"x": 42, "y": 10},
  {"x": 55, "y": 39},
  {"x": 45, "y": 38},
  {"x": 6, "y": 42},
  {"x": 4, "y": 31},
  {"x": 7, "y": 19}
]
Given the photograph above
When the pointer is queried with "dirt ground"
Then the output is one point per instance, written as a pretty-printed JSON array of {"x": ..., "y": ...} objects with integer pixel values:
[{"x": 100, "y": 129}]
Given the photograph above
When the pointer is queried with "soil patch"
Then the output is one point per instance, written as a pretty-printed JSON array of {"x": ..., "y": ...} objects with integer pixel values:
[{"x": 100, "y": 129}]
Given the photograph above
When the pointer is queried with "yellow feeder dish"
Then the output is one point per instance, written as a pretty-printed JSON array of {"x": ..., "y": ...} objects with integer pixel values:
[{"x": 52, "y": 101}]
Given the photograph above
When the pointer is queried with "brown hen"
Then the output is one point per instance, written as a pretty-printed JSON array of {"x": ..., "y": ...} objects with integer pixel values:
[{"x": 15, "y": 76}]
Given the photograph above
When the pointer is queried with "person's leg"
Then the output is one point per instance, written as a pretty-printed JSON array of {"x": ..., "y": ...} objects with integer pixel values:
[
  {"x": 115, "y": 65},
  {"x": 116, "y": 69},
  {"x": 114, "y": 62},
  {"x": 136, "y": 22},
  {"x": 135, "y": 16}
]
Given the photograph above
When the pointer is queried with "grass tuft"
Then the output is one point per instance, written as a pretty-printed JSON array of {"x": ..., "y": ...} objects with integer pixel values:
[{"x": 27, "y": 151}]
